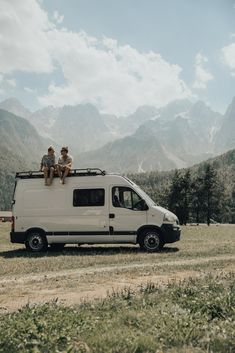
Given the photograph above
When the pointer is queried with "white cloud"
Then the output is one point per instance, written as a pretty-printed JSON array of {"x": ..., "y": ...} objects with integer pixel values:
[
  {"x": 6, "y": 83},
  {"x": 202, "y": 75},
  {"x": 58, "y": 18},
  {"x": 23, "y": 37},
  {"x": 229, "y": 57},
  {"x": 1, "y": 82},
  {"x": 11, "y": 82},
  {"x": 116, "y": 78},
  {"x": 29, "y": 90}
]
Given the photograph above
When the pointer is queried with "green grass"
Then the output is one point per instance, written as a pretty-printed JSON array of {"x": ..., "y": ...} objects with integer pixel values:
[
  {"x": 196, "y": 242},
  {"x": 195, "y": 315}
]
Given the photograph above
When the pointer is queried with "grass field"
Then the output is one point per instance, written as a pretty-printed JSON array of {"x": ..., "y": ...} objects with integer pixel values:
[{"x": 119, "y": 299}]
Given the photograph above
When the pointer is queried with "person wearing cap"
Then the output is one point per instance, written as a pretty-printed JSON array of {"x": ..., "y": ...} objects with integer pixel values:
[
  {"x": 64, "y": 164},
  {"x": 48, "y": 165}
]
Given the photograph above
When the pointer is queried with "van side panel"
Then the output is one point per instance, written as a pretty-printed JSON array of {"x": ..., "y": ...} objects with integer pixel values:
[{"x": 51, "y": 209}]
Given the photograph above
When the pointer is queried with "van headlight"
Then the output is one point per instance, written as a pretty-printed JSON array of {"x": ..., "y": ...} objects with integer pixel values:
[{"x": 169, "y": 218}]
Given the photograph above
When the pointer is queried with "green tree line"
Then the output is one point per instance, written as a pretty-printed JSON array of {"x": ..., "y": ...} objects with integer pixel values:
[{"x": 194, "y": 195}]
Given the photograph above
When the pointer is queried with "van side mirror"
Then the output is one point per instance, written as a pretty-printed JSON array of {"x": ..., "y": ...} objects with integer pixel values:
[{"x": 140, "y": 206}]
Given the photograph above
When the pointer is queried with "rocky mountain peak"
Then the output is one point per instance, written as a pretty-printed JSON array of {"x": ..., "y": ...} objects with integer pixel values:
[
  {"x": 198, "y": 109},
  {"x": 13, "y": 105}
]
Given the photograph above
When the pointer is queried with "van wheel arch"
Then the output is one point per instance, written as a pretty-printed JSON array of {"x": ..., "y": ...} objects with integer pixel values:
[
  {"x": 36, "y": 240},
  {"x": 150, "y": 238}
]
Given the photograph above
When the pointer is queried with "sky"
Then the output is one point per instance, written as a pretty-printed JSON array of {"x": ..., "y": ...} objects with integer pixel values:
[{"x": 117, "y": 54}]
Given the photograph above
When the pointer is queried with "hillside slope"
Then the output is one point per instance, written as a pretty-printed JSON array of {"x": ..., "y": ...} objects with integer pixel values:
[
  {"x": 19, "y": 137},
  {"x": 21, "y": 149}
]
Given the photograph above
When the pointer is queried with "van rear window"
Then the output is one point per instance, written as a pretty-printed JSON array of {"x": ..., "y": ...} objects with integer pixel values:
[{"x": 88, "y": 197}]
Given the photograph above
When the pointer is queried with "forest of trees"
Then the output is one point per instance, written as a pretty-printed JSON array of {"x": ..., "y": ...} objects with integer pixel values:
[{"x": 202, "y": 194}]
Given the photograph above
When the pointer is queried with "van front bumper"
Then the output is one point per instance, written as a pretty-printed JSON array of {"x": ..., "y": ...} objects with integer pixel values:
[
  {"x": 17, "y": 237},
  {"x": 170, "y": 233}
]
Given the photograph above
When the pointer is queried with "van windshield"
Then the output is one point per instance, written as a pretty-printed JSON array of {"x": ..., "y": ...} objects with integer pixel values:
[
  {"x": 145, "y": 196},
  {"x": 142, "y": 193}
]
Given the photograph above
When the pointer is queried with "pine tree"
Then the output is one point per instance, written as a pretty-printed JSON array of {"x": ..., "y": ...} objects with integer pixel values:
[
  {"x": 179, "y": 195},
  {"x": 197, "y": 199},
  {"x": 185, "y": 192},
  {"x": 210, "y": 188},
  {"x": 232, "y": 206}
]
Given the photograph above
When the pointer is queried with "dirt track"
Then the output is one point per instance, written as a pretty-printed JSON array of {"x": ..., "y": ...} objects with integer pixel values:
[{"x": 74, "y": 286}]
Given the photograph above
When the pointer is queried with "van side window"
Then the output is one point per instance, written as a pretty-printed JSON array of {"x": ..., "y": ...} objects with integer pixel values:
[
  {"x": 126, "y": 198},
  {"x": 88, "y": 197}
]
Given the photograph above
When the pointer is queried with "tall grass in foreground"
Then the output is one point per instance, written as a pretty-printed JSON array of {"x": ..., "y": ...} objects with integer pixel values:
[{"x": 196, "y": 315}]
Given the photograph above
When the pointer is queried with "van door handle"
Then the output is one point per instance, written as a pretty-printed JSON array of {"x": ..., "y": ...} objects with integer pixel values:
[{"x": 111, "y": 215}]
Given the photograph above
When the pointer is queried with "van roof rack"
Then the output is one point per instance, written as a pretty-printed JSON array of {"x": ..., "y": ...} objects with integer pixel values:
[{"x": 74, "y": 172}]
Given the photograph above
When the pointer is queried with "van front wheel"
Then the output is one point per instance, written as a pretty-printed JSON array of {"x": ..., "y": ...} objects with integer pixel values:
[
  {"x": 150, "y": 240},
  {"x": 36, "y": 241}
]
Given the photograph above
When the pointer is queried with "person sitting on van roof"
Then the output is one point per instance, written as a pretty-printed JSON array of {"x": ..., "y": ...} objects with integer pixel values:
[
  {"x": 48, "y": 165},
  {"x": 64, "y": 164}
]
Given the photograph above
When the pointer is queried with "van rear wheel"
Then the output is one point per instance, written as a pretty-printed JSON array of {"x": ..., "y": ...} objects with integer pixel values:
[
  {"x": 150, "y": 240},
  {"x": 36, "y": 241}
]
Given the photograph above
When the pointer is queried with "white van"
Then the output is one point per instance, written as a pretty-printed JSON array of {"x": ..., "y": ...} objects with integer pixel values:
[{"x": 91, "y": 207}]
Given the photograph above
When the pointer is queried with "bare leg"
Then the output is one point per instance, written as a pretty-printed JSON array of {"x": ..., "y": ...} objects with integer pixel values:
[
  {"x": 66, "y": 172},
  {"x": 45, "y": 170},
  {"x": 58, "y": 168},
  {"x": 51, "y": 175}
]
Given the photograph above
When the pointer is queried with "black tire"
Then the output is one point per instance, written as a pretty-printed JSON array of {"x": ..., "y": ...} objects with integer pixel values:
[
  {"x": 150, "y": 240},
  {"x": 36, "y": 241},
  {"x": 57, "y": 246}
]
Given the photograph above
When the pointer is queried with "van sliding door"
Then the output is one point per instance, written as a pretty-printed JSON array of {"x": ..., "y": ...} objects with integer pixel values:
[{"x": 89, "y": 223}]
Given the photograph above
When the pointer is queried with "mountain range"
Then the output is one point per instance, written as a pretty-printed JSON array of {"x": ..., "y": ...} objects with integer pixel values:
[{"x": 175, "y": 136}]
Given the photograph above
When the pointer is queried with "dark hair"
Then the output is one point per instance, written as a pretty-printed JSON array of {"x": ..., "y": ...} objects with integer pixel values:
[{"x": 64, "y": 149}]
